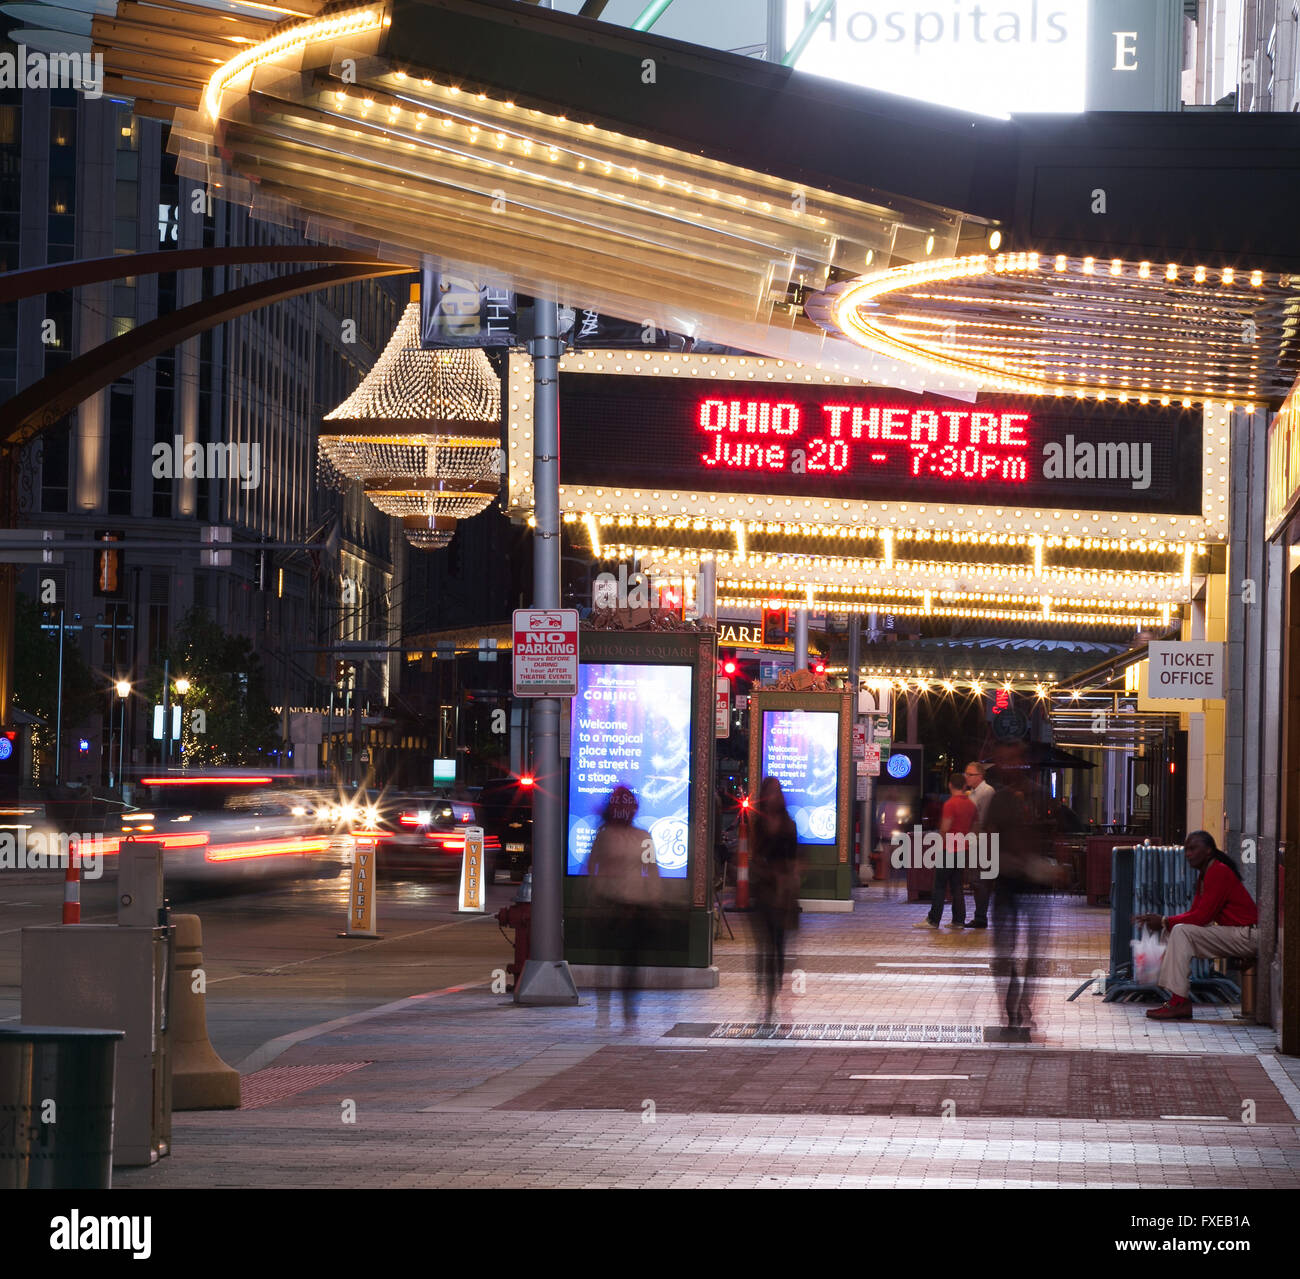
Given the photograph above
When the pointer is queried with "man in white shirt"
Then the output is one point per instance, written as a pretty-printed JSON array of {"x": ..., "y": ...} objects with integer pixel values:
[{"x": 981, "y": 794}]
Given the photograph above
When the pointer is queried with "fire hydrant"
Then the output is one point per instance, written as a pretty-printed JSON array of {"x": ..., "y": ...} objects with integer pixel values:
[{"x": 519, "y": 916}]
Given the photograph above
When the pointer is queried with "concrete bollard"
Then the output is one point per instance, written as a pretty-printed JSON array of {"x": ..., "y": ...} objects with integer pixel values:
[{"x": 200, "y": 1079}]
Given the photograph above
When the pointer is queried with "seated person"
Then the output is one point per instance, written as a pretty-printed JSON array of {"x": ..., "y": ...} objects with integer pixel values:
[{"x": 1222, "y": 922}]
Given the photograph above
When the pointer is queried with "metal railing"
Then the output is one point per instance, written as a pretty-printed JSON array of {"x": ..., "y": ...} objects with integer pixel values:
[{"x": 1154, "y": 879}]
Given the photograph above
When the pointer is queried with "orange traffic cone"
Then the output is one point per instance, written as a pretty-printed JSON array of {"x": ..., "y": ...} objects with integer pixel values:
[{"x": 72, "y": 892}]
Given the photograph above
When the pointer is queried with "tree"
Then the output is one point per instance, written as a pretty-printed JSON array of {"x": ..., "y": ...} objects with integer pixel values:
[
  {"x": 236, "y": 723},
  {"x": 36, "y": 684}
]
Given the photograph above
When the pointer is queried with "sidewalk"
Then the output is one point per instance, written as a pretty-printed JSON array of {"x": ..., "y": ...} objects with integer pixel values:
[{"x": 462, "y": 1087}]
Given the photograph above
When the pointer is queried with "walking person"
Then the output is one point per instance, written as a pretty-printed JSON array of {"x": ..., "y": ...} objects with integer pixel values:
[
  {"x": 1019, "y": 895},
  {"x": 626, "y": 884},
  {"x": 774, "y": 885},
  {"x": 956, "y": 822},
  {"x": 981, "y": 795},
  {"x": 1223, "y": 922}
]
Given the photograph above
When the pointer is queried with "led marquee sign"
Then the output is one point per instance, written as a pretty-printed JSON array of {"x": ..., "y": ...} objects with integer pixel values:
[{"x": 866, "y": 443}]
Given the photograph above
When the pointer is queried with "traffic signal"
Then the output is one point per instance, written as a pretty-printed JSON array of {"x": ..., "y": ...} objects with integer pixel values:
[
  {"x": 110, "y": 575},
  {"x": 776, "y": 626},
  {"x": 729, "y": 666},
  {"x": 819, "y": 667}
]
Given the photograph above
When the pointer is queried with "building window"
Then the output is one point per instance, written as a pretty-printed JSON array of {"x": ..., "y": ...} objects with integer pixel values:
[{"x": 54, "y": 466}]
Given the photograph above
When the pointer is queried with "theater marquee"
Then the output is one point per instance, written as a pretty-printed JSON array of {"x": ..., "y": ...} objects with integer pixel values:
[{"x": 757, "y": 441}]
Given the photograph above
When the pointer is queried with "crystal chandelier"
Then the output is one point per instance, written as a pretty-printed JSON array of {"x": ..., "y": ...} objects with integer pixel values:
[
  {"x": 428, "y": 533},
  {"x": 422, "y": 433}
]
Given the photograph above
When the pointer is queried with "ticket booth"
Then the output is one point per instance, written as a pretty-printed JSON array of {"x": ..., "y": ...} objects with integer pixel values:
[{"x": 804, "y": 740}]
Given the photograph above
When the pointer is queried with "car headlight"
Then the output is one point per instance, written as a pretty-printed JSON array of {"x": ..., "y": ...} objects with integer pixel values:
[{"x": 424, "y": 816}]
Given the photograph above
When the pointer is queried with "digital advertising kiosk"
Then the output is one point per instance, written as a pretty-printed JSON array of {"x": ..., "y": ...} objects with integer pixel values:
[
  {"x": 643, "y": 718},
  {"x": 804, "y": 740}
]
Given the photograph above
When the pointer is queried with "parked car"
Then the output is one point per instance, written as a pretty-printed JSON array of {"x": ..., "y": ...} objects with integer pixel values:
[
  {"x": 506, "y": 808},
  {"x": 423, "y": 834}
]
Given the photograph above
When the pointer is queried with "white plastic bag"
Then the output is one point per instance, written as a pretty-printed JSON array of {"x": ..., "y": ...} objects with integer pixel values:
[{"x": 1148, "y": 951}]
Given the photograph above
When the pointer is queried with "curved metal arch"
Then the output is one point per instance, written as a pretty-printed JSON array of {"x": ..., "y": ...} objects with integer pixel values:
[
  {"x": 56, "y": 277},
  {"x": 45, "y": 402}
]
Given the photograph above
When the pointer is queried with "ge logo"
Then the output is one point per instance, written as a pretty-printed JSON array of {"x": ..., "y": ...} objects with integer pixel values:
[
  {"x": 821, "y": 825},
  {"x": 669, "y": 835}
]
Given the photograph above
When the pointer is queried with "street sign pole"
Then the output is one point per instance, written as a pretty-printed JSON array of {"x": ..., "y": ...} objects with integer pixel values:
[{"x": 546, "y": 978}]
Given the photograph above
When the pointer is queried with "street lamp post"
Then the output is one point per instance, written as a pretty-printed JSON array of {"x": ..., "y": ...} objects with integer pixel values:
[
  {"x": 123, "y": 692},
  {"x": 182, "y": 687},
  {"x": 546, "y": 978}
]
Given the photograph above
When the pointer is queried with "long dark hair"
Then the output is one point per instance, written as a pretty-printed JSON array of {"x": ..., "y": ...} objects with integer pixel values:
[
  {"x": 1216, "y": 853},
  {"x": 774, "y": 804}
]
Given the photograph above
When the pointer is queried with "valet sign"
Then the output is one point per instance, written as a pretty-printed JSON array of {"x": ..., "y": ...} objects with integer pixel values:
[
  {"x": 1190, "y": 670},
  {"x": 546, "y": 652}
]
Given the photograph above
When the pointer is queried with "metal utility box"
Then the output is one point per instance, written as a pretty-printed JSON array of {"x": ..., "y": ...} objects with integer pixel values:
[{"x": 112, "y": 975}]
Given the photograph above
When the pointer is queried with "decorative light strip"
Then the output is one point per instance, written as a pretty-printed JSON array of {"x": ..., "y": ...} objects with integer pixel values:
[
  {"x": 840, "y": 532},
  {"x": 988, "y": 349},
  {"x": 295, "y": 39},
  {"x": 1030, "y": 616}
]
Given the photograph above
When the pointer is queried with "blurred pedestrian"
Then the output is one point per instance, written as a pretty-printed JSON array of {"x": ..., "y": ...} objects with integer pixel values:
[
  {"x": 1019, "y": 893},
  {"x": 1223, "y": 922},
  {"x": 774, "y": 885},
  {"x": 626, "y": 885},
  {"x": 981, "y": 795},
  {"x": 956, "y": 822}
]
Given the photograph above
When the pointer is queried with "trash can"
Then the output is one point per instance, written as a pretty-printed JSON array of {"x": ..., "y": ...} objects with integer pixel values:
[{"x": 56, "y": 1107}]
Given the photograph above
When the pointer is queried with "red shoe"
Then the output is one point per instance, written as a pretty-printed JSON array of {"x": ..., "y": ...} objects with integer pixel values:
[{"x": 1179, "y": 1008}]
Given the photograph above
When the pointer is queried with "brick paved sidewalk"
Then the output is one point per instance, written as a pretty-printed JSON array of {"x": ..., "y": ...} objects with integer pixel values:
[{"x": 464, "y": 1088}]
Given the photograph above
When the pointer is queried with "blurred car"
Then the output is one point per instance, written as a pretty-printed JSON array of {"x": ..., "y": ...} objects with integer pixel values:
[
  {"x": 506, "y": 810},
  {"x": 262, "y": 835},
  {"x": 422, "y": 834}
]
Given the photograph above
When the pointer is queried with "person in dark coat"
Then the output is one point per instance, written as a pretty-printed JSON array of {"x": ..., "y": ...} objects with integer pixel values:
[
  {"x": 774, "y": 885},
  {"x": 626, "y": 886},
  {"x": 1021, "y": 900}
]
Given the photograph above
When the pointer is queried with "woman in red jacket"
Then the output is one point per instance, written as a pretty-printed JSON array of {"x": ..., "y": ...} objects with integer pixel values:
[{"x": 1222, "y": 922}]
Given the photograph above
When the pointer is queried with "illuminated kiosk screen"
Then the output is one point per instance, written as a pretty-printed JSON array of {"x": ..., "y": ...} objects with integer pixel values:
[
  {"x": 631, "y": 727},
  {"x": 862, "y": 443},
  {"x": 801, "y": 750}
]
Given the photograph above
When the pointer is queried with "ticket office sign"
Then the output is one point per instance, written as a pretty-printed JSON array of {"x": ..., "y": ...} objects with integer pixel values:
[
  {"x": 867, "y": 444},
  {"x": 1186, "y": 670},
  {"x": 473, "y": 872}
]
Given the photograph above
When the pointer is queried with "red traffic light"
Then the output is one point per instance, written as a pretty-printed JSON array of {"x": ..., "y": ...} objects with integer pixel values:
[
  {"x": 527, "y": 779},
  {"x": 819, "y": 668},
  {"x": 729, "y": 666}
]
